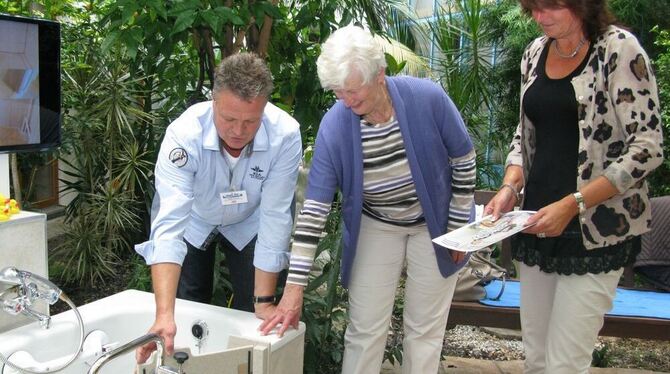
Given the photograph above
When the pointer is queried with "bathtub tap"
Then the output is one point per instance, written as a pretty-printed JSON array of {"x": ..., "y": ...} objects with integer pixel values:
[
  {"x": 142, "y": 340},
  {"x": 26, "y": 289}
]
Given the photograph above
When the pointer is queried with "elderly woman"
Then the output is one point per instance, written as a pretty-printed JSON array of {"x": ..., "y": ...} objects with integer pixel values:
[
  {"x": 399, "y": 152},
  {"x": 589, "y": 134}
]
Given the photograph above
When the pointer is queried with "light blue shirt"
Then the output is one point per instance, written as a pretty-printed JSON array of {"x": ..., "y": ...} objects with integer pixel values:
[{"x": 191, "y": 173}]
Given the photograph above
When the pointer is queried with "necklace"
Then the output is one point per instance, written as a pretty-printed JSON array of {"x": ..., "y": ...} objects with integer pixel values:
[{"x": 569, "y": 55}]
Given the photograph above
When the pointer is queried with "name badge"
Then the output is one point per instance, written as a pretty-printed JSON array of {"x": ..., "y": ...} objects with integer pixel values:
[{"x": 233, "y": 197}]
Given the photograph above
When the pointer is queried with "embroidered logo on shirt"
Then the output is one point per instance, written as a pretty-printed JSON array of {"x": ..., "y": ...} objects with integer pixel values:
[
  {"x": 257, "y": 173},
  {"x": 178, "y": 157}
]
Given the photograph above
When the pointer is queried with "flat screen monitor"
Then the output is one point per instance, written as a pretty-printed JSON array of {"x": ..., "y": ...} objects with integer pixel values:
[{"x": 30, "y": 84}]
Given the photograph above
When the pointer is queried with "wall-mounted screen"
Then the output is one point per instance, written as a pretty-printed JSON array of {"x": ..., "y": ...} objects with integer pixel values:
[{"x": 30, "y": 85}]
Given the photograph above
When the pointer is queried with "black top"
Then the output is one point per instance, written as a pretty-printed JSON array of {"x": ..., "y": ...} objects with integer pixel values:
[{"x": 551, "y": 106}]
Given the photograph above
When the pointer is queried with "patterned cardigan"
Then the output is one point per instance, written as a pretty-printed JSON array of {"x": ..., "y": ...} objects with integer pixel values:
[{"x": 620, "y": 133}]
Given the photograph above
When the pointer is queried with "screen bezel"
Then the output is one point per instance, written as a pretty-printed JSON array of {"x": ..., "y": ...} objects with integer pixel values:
[{"x": 50, "y": 85}]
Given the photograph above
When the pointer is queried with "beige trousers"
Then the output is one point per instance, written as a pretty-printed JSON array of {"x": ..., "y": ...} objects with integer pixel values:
[
  {"x": 561, "y": 316},
  {"x": 383, "y": 250}
]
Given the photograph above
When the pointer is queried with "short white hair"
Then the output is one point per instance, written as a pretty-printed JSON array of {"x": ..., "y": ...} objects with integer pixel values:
[{"x": 348, "y": 48}]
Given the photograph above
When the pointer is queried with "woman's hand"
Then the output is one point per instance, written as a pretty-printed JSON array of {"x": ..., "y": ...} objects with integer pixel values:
[
  {"x": 457, "y": 256},
  {"x": 501, "y": 203},
  {"x": 551, "y": 220},
  {"x": 264, "y": 310},
  {"x": 506, "y": 198},
  {"x": 286, "y": 314}
]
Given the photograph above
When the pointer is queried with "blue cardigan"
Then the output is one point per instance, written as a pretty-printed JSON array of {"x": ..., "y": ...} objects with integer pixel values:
[{"x": 433, "y": 131}]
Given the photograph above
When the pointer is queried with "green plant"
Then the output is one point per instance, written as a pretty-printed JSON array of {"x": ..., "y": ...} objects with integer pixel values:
[
  {"x": 141, "y": 275},
  {"x": 659, "y": 180},
  {"x": 467, "y": 50},
  {"x": 223, "y": 286},
  {"x": 324, "y": 309},
  {"x": 511, "y": 31},
  {"x": 393, "y": 352},
  {"x": 104, "y": 158},
  {"x": 81, "y": 258},
  {"x": 393, "y": 67},
  {"x": 600, "y": 357},
  {"x": 641, "y": 17}
]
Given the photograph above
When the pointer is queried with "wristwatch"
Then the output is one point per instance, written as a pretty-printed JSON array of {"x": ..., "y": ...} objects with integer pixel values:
[
  {"x": 580, "y": 202},
  {"x": 265, "y": 299}
]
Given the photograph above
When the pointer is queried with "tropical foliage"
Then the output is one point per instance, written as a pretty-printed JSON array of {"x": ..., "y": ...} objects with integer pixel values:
[
  {"x": 659, "y": 180},
  {"x": 466, "y": 66}
]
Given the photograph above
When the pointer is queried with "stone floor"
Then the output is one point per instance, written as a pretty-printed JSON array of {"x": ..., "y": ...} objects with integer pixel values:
[{"x": 458, "y": 365}]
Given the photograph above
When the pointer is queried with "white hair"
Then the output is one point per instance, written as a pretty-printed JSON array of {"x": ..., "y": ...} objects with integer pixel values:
[{"x": 349, "y": 48}]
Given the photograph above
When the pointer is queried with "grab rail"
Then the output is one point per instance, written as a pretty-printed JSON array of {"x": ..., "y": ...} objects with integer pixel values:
[{"x": 142, "y": 340}]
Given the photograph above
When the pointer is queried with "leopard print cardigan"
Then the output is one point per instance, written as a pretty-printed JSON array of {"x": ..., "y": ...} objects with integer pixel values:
[{"x": 620, "y": 133}]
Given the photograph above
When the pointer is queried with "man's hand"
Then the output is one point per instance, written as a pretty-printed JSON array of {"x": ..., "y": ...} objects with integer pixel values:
[
  {"x": 286, "y": 314},
  {"x": 167, "y": 329},
  {"x": 165, "y": 277}
]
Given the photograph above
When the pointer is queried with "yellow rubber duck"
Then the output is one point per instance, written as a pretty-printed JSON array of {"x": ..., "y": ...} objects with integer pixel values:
[
  {"x": 13, "y": 207},
  {"x": 4, "y": 214}
]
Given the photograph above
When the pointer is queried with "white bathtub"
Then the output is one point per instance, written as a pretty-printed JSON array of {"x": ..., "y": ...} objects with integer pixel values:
[{"x": 233, "y": 342}]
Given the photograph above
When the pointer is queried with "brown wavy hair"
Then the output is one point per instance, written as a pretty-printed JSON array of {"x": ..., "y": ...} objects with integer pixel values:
[{"x": 595, "y": 15}]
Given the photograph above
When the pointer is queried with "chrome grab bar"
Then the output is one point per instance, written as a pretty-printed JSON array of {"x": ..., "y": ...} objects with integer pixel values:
[{"x": 142, "y": 340}]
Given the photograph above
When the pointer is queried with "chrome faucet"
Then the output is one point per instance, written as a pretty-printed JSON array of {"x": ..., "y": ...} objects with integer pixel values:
[
  {"x": 26, "y": 288},
  {"x": 142, "y": 340}
]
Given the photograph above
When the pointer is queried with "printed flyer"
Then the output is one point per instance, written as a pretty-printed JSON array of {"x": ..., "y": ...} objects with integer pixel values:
[{"x": 484, "y": 232}]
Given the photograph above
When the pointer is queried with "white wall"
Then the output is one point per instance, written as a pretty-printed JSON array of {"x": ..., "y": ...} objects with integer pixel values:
[{"x": 4, "y": 174}]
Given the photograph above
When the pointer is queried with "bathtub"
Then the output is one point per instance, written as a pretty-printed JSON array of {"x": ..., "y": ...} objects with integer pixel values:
[{"x": 218, "y": 340}]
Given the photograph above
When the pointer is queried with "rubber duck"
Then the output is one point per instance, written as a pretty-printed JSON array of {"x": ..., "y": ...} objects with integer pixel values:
[
  {"x": 13, "y": 207},
  {"x": 4, "y": 214}
]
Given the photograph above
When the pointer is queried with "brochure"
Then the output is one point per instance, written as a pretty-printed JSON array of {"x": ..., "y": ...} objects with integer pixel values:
[{"x": 484, "y": 232}]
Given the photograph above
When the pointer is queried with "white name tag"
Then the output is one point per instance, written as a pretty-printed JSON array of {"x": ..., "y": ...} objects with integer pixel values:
[{"x": 233, "y": 197}]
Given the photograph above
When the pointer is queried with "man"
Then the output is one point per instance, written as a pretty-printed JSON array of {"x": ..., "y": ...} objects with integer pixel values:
[{"x": 226, "y": 173}]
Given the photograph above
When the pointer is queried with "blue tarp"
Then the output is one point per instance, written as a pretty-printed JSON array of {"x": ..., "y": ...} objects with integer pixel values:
[{"x": 630, "y": 303}]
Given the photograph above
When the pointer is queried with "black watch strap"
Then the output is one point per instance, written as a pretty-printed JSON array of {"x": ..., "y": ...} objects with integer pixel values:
[{"x": 265, "y": 299}]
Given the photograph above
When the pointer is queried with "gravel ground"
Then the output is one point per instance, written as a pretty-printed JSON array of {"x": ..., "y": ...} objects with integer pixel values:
[{"x": 475, "y": 342}]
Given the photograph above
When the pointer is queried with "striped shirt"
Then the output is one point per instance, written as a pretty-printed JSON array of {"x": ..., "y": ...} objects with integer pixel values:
[{"x": 388, "y": 188}]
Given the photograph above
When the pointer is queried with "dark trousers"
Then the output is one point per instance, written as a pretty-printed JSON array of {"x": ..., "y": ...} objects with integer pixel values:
[{"x": 196, "y": 282}]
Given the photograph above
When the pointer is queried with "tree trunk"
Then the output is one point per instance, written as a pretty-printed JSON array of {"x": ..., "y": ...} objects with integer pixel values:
[
  {"x": 264, "y": 38},
  {"x": 16, "y": 182}
]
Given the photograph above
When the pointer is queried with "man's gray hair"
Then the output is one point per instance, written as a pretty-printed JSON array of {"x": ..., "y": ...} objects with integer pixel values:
[
  {"x": 245, "y": 75},
  {"x": 349, "y": 48}
]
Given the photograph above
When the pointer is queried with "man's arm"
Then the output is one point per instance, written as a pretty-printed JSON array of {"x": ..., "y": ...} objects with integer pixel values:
[
  {"x": 165, "y": 250},
  {"x": 165, "y": 278},
  {"x": 276, "y": 207}
]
